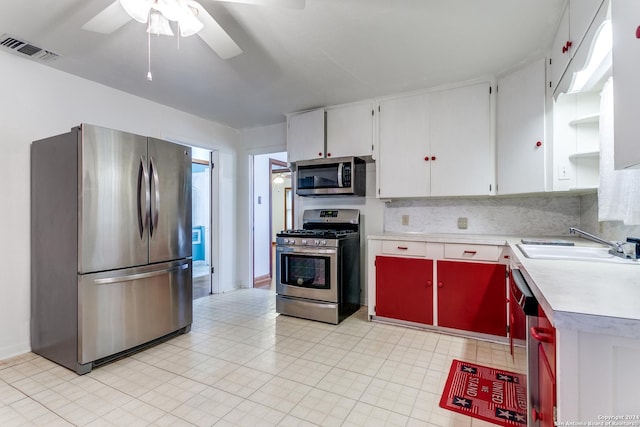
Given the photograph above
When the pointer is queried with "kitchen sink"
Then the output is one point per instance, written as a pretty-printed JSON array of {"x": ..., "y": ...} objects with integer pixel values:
[{"x": 572, "y": 253}]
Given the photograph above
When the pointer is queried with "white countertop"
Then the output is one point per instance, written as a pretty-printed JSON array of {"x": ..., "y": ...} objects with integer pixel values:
[{"x": 595, "y": 297}]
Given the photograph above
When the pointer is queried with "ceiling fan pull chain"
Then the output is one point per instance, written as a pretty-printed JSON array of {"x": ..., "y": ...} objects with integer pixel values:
[{"x": 149, "y": 76}]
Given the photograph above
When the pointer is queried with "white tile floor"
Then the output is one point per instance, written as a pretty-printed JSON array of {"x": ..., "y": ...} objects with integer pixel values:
[{"x": 244, "y": 365}]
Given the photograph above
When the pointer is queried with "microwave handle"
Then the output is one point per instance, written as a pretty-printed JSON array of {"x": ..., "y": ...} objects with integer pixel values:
[{"x": 340, "y": 170}]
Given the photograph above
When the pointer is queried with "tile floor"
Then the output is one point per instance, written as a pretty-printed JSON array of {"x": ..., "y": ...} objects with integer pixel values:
[{"x": 244, "y": 365}]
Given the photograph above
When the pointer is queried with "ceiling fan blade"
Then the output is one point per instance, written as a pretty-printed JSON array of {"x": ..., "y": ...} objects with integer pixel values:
[
  {"x": 110, "y": 19},
  {"x": 214, "y": 35},
  {"x": 291, "y": 4}
]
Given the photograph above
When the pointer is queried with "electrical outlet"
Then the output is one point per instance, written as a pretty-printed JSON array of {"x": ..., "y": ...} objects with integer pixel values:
[
  {"x": 463, "y": 223},
  {"x": 405, "y": 219},
  {"x": 563, "y": 171}
]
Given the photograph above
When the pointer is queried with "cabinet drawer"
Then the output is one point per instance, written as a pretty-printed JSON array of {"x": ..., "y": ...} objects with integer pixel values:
[
  {"x": 399, "y": 247},
  {"x": 472, "y": 252}
]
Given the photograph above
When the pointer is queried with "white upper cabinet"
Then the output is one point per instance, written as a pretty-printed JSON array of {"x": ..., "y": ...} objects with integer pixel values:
[
  {"x": 560, "y": 49},
  {"x": 436, "y": 144},
  {"x": 350, "y": 130},
  {"x": 521, "y": 145},
  {"x": 574, "y": 23},
  {"x": 404, "y": 147},
  {"x": 461, "y": 150},
  {"x": 305, "y": 135},
  {"x": 625, "y": 19}
]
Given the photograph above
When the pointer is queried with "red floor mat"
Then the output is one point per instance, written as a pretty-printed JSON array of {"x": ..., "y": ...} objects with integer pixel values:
[{"x": 489, "y": 394}]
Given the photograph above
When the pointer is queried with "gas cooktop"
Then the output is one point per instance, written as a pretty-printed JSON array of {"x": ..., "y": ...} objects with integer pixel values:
[{"x": 324, "y": 234}]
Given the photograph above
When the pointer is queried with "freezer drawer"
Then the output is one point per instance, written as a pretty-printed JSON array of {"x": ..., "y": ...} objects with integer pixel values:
[{"x": 121, "y": 309}]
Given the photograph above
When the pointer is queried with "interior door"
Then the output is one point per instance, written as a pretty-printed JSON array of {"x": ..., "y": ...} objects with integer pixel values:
[
  {"x": 170, "y": 201},
  {"x": 113, "y": 198}
]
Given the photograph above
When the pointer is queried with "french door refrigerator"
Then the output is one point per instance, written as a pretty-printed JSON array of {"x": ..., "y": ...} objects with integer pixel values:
[{"x": 111, "y": 267}]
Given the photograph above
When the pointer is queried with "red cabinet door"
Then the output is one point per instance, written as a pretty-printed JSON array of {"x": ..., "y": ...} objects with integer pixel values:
[
  {"x": 472, "y": 297},
  {"x": 544, "y": 413},
  {"x": 404, "y": 289}
]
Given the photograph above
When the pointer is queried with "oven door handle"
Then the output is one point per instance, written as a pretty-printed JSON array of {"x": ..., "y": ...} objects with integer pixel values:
[
  {"x": 520, "y": 283},
  {"x": 308, "y": 251},
  {"x": 340, "y": 172}
]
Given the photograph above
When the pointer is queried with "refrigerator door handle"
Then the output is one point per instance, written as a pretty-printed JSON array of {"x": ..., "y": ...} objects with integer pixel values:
[
  {"x": 143, "y": 196},
  {"x": 155, "y": 192},
  {"x": 132, "y": 277}
]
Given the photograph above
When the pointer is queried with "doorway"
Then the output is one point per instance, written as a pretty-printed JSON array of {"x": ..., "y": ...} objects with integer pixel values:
[
  {"x": 273, "y": 211},
  {"x": 201, "y": 222}
]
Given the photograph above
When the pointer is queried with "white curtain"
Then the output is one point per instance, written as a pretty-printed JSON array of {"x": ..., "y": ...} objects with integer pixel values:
[{"x": 619, "y": 190}]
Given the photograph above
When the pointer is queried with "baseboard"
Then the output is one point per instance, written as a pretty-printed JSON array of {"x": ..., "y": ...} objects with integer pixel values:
[
  {"x": 10, "y": 351},
  {"x": 261, "y": 280}
]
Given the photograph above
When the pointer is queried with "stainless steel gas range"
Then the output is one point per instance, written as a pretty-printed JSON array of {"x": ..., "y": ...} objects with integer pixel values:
[{"x": 318, "y": 266}]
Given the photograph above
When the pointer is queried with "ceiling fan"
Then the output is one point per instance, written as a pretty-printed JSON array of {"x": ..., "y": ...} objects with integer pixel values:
[{"x": 192, "y": 19}]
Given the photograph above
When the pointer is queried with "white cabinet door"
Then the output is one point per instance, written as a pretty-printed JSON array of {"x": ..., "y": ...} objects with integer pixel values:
[
  {"x": 581, "y": 14},
  {"x": 560, "y": 52},
  {"x": 403, "y": 162},
  {"x": 520, "y": 130},
  {"x": 350, "y": 130},
  {"x": 574, "y": 24},
  {"x": 625, "y": 16},
  {"x": 461, "y": 151},
  {"x": 305, "y": 136}
]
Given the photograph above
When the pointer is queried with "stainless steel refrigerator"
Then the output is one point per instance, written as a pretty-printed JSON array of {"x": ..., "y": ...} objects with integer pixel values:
[{"x": 111, "y": 266}]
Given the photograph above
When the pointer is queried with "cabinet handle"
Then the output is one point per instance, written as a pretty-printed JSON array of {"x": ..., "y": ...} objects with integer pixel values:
[
  {"x": 440, "y": 285},
  {"x": 539, "y": 144},
  {"x": 429, "y": 283},
  {"x": 470, "y": 252},
  {"x": 328, "y": 154},
  {"x": 540, "y": 335},
  {"x": 426, "y": 159},
  {"x": 638, "y": 32},
  {"x": 433, "y": 157},
  {"x": 320, "y": 154},
  {"x": 403, "y": 248},
  {"x": 535, "y": 415}
]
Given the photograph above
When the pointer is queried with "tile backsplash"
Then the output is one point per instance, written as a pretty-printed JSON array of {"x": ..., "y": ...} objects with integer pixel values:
[{"x": 522, "y": 216}]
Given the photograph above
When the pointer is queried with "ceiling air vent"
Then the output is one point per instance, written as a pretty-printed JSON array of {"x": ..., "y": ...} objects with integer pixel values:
[{"x": 25, "y": 48}]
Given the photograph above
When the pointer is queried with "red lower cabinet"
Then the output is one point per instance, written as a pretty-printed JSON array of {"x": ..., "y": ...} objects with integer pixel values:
[
  {"x": 472, "y": 297},
  {"x": 404, "y": 289},
  {"x": 544, "y": 401},
  {"x": 544, "y": 413}
]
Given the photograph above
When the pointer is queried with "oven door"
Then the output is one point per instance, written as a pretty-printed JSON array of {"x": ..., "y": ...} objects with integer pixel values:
[{"x": 305, "y": 272}]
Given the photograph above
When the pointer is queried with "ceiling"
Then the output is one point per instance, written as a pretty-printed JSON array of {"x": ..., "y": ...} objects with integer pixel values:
[{"x": 330, "y": 52}]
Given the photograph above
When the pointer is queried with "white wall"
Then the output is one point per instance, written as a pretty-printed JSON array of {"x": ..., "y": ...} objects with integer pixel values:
[
  {"x": 262, "y": 242},
  {"x": 255, "y": 141},
  {"x": 38, "y": 102}
]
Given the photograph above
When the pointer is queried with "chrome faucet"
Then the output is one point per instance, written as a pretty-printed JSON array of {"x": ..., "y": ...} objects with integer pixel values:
[{"x": 616, "y": 248}]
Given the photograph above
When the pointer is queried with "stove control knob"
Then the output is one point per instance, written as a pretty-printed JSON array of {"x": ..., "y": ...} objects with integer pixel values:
[
  {"x": 323, "y": 243},
  {"x": 303, "y": 242},
  {"x": 317, "y": 242}
]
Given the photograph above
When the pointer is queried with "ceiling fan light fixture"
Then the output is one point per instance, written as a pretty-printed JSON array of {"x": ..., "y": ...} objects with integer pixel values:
[
  {"x": 159, "y": 24},
  {"x": 173, "y": 10},
  {"x": 189, "y": 24},
  {"x": 137, "y": 9}
]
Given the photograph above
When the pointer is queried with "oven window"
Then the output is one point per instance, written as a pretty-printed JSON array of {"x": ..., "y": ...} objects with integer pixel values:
[{"x": 305, "y": 271}]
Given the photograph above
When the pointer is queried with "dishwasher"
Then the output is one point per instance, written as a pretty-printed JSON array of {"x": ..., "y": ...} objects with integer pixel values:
[{"x": 526, "y": 305}]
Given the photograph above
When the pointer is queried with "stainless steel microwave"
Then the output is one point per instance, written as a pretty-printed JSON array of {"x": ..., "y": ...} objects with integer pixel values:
[{"x": 339, "y": 176}]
